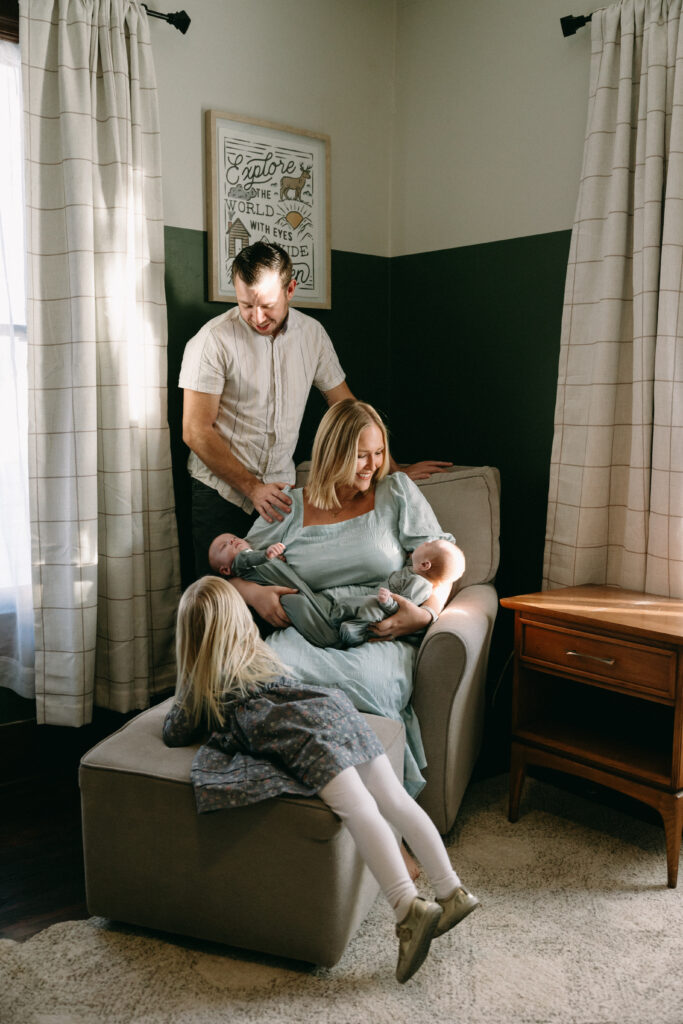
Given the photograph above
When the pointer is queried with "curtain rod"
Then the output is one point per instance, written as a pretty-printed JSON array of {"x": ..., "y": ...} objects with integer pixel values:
[
  {"x": 571, "y": 24},
  {"x": 180, "y": 19}
]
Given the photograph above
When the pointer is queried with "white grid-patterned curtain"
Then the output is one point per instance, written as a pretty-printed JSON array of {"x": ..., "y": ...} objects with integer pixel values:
[
  {"x": 106, "y": 578},
  {"x": 615, "y": 511}
]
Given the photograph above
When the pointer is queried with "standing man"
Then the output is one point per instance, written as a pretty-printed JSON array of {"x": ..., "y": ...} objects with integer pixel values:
[{"x": 246, "y": 377}]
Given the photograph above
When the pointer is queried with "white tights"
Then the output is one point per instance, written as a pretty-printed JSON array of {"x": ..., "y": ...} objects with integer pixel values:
[{"x": 366, "y": 798}]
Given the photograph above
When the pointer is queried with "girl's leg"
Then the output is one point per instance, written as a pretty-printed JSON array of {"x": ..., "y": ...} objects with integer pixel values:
[
  {"x": 414, "y": 824},
  {"x": 350, "y": 800}
]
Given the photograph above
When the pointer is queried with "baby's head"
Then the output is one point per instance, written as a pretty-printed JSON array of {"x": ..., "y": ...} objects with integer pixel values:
[
  {"x": 222, "y": 552},
  {"x": 439, "y": 561}
]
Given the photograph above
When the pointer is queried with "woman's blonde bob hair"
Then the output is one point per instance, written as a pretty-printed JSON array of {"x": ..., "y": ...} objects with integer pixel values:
[
  {"x": 218, "y": 650},
  {"x": 335, "y": 450}
]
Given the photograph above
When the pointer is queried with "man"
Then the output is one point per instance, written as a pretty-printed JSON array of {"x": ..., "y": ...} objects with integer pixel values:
[{"x": 246, "y": 377}]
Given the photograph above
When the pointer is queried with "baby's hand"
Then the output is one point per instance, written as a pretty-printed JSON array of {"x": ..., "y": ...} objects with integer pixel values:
[
  {"x": 276, "y": 551},
  {"x": 383, "y": 595}
]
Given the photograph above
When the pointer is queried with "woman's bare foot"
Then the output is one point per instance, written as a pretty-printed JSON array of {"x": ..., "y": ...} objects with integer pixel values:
[{"x": 412, "y": 865}]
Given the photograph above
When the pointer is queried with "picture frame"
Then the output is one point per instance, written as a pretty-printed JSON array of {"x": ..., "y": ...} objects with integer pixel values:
[{"x": 268, "y": 182}]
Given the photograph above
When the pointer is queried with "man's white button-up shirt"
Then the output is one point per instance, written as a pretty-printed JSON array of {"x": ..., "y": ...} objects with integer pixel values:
[{"x": 263, "y": 384}]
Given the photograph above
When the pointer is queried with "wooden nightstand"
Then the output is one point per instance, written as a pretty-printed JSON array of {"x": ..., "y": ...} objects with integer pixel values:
[{"x": 598, "y": 693}]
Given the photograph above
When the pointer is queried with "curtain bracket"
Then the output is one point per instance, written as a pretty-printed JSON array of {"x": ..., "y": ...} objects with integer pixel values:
[
  {"x": 571, "y": 24},
  {"x": 180, "y": 19}
]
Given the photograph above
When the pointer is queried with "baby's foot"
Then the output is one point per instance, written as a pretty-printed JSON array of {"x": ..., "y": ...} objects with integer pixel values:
[{"x": 386, "y": 601}]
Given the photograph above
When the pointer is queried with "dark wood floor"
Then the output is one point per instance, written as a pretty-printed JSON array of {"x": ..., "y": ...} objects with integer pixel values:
[{"x": 41, "y": 859}]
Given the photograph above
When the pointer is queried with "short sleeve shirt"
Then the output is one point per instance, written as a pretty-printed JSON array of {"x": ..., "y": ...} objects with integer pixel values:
[{"x": 263, "y": 384}]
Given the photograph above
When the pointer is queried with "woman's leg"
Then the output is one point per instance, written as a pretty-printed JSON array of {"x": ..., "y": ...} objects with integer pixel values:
[
  {"x": 350, "y": 800},
  {"x": 414, "y": 824}
]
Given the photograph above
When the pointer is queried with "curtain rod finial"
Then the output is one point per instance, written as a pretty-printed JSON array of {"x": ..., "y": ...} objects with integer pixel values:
[
  {"x": 571, "y": 24},
  {"x": 181, "y": 19}
]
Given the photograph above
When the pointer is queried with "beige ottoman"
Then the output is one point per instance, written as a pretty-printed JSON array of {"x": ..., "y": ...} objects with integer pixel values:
[{"x": 282, "y": 876}]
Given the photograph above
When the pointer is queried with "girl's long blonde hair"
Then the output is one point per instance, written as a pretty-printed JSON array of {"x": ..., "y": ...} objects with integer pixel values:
[
  {"x": 218, "y": 650},
  {"x": 335, "y": 450}
]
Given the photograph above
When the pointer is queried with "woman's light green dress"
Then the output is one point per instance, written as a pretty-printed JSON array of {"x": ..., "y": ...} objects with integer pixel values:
[{"x": 354, "y": 558}]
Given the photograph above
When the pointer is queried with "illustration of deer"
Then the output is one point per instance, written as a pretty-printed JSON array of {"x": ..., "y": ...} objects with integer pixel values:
[{"x": 294, "y": 184}]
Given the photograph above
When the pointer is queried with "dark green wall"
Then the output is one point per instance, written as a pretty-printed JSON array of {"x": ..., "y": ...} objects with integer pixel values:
[
  {"x": 457, "y": 348},
  {"x": 475, "y": 346},
  {"x": 358, "y": 324},
  {"x": 475, "y": 343}
]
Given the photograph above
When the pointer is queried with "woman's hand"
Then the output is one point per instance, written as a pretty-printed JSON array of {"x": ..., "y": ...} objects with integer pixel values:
[
  {"x": 266, "y": 602},
  {"x": 409, "y": 618}
]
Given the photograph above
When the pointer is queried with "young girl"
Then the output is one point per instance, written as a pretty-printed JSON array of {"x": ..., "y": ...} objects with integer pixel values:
[{"x": 273, "y": 735}]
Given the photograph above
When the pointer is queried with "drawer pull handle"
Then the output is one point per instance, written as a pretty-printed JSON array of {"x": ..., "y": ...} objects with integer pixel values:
[{"x": 590, "y": 657}]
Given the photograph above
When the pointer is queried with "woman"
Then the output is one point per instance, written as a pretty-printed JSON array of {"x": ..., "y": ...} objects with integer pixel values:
[{"x": 348, "y": 530}]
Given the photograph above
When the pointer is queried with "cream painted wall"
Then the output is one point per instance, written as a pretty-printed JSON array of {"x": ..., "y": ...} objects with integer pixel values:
[
  {"x": 492, "y": 105},
  {"x": 453, "y": 122},
  {"x": 322, "y": 65}
]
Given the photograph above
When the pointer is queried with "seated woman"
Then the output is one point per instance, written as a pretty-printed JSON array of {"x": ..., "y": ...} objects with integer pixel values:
[{"x": 348, "y": 530}]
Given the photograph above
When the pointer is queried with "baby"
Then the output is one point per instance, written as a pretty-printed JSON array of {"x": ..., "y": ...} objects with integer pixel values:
[
  {"x": 323, "y": 621},
  {"x": 309, "y": 611},
  {"x": 225, "y": 548},
  {"x": 435, "y": 563}
]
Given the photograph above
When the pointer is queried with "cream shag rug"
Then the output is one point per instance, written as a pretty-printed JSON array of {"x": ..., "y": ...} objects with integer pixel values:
[{"x": 577, "y": 927}]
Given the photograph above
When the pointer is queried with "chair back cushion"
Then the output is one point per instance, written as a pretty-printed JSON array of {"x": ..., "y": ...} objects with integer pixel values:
[{"x": 466, "y": 501}]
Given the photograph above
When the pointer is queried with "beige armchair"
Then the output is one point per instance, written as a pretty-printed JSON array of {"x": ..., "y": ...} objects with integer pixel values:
[
  {"x": 449, "y": 691},
  {"x": 283, "y": 876}
]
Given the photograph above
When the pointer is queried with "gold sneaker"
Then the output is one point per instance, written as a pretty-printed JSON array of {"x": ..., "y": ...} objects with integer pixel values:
[
  {"x": 457, "y": 906},
  {"x": 415, "y": 933}
]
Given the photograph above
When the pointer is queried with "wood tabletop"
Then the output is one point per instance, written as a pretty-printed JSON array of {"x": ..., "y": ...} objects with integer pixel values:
[{"x": 641, "y": 614}]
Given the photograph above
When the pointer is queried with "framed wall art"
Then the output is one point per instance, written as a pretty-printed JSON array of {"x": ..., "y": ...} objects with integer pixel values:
[{"x": 267, "y": 182}]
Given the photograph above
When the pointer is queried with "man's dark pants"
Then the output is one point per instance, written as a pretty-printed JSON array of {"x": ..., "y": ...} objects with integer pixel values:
[{"x": 211, "y": 515}]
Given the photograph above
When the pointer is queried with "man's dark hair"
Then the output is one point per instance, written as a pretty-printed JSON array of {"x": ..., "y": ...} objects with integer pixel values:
[{"x": 251, "y": 262}]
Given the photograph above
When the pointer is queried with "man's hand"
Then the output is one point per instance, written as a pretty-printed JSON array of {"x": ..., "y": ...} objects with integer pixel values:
[
  {"x": 267, "y": 603},
  {"x": 409, "y": 618},
  {"x": 423, "y": 470},
  {"x": 270, "y": 500}
]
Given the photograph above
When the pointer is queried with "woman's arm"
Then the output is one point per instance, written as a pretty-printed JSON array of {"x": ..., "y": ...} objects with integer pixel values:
[
  {"x": 265, "y": 600},
  {"x": 415, "y": 523}
]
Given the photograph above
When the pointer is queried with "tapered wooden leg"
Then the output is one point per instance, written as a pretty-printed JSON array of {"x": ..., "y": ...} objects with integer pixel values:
[
  {"x": 517, "y": 775},
  {"x": 672, "y": 816}
]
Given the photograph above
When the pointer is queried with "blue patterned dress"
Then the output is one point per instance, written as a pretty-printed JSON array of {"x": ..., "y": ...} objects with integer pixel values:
[
  {"x": 352, "y": 559},
  {"x": 284, "y": 738}
]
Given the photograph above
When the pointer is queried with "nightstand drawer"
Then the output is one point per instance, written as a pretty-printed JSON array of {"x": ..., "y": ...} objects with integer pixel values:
[{"x": 625, "y": 665}]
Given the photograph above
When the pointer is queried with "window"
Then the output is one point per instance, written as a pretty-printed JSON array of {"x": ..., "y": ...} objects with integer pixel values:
[{"x": 16, "y": 605}]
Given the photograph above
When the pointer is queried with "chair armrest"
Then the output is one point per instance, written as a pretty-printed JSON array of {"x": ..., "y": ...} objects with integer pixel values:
[{"x": 449, "y": 697}]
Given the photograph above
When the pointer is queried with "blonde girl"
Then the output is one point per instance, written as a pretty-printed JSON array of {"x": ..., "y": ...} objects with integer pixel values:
[{"x": 272, "y": 735}]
